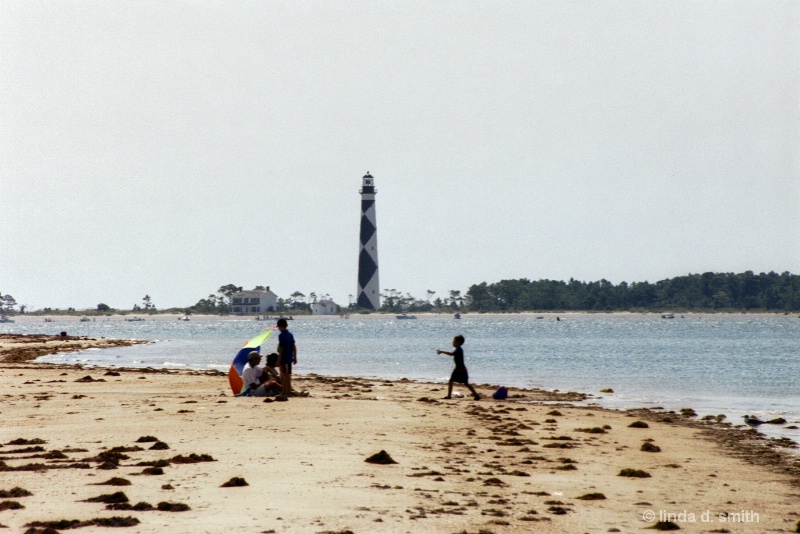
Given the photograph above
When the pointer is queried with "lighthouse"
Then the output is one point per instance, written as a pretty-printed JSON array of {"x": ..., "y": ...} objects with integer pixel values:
[{"x": 368, "y": 286}]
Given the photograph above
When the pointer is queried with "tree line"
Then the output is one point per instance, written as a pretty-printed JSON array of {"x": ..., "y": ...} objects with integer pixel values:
[{"x": 694, "y": 292}]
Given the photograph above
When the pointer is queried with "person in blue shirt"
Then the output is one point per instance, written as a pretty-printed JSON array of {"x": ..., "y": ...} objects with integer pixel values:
[
  {"x": 459, "y": 374},
  {"x": 287, "y": 353}
]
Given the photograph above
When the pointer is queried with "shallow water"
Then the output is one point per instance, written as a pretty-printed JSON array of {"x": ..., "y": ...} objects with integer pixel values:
[{"x": 727, "y": 364}]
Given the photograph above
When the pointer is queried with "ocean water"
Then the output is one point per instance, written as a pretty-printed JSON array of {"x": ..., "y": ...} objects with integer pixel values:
[{"x": 714, "y": 364}]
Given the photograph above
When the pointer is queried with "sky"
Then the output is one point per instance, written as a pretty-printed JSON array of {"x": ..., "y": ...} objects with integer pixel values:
[{"x": 168, "y": 148}]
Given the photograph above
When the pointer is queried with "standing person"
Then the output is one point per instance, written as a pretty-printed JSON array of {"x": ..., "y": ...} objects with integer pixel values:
[
  {"x": 460, "y": 374},
  {"x": 287, "y": 353}
]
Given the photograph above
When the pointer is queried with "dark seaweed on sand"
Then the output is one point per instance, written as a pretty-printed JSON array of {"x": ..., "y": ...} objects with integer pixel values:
[
  {"x": 649, "y": 447},
  {"x": 15, "y": 493},
  {"x": 635, "y": 473},
  {"x": 10, "y": 505},
  {"x": 111, "y": 456},
  {"x": 172, "y": 507},
  {"x": 381, "y": 458},
  {"x": 23, "y": 441},
  {"x": 88, "y": 378},
  {"x": 594, "y": 430},
  {"x": 26, "y": 450},
  {"x": 138, "y": 507},
  {"x": 62, "y": 524},
  {"x": 146, "y": 439},
  {"x": 152, "y": 471},
  {"x": 558, "y": 446},
  {"x": 42, "y": 467},
  {"x": 567, "y": 467},
  {"x": 65, "y": 524},
  {"x": 115, "y": 481},
  {"x": 153, "y": 463},
  {"x": 192, "y": 459},
  {"x": 159, "y": 446},
  {"x": 115, "y": 497},
  {"x": 135, "y": 448},
  {"x": 108, "y": 465},
  {"x": 235, "y": 482},
  {"x": 665, "y": 525},
  {"x": 592, "y": 497},
  {"x": 638, "y": 424},
  {"x": 115, "y": 521}
]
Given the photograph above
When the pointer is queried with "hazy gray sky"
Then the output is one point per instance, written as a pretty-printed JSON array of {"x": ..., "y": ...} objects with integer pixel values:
[{"x": 169, "y": 148}]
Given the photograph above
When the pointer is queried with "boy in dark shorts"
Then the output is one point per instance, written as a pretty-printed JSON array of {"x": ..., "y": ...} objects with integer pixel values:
[
  {"x": 460, "y": 374},
  {"x": 287, "y": 353}
]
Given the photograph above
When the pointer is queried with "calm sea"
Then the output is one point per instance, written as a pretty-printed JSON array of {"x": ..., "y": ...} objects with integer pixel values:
[{"x": 714, "y": 364}]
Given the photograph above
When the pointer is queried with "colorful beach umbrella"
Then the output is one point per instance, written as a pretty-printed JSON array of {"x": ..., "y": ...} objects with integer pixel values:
[{"x": 240, "y": 360}]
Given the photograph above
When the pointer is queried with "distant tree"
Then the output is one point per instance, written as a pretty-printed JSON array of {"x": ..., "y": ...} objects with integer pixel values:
[
  {"x": 7, "y": 303},
  {"x": 456, "y": 299},
  {"x": 228, "y": 291},
  {"x": 208, "y": 305},
  {"x": 391, "y": 300},
  {"x": 103, "y": 307},
  {"x": 708, "y": 291}
]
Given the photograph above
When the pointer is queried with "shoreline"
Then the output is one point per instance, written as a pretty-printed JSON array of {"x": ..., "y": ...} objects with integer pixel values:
[
  {"x": 548, "y": 315},
  {"x": 34, "y": 346},
  {"x": 492, "y": 465}
]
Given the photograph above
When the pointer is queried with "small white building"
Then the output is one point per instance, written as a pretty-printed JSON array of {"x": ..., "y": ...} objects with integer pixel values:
[
  {"x": 325, "y": 307},
  {"x": 254, "y": 302}
]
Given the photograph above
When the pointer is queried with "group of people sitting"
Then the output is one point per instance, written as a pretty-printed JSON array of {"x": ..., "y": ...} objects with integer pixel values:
[{"x": 267, "y": 381}]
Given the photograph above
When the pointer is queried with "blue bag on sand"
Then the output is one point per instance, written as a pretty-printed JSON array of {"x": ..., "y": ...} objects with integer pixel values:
[{"x": 500, "y": 394}]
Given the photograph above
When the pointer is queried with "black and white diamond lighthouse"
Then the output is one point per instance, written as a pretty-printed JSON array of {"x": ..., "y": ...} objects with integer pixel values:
[{"x": 368, "y": 286}]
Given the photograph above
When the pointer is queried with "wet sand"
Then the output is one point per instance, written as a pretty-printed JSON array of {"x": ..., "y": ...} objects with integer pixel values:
[
  {"x": 16, "y": 348},
  {"x": 194, "y": 458}
]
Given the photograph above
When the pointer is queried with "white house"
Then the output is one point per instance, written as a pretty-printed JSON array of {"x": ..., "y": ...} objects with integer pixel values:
[
  {"x": 325, "y": 307},
  {"x": 254, "y": 302}
]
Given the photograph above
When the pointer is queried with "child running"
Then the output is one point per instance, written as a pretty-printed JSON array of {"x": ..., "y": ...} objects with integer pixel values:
[{"x": 460, "y": 374}]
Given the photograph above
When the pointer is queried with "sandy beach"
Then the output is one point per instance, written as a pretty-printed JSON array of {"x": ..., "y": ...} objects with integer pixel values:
[{"x": 533, "y": 463}]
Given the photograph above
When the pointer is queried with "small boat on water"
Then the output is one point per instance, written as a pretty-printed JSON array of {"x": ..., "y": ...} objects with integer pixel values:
[
  {"x": 48, "y": 320},
  {"x": 457, "y": 316},
  {"x": 406, "y": 316},
  {"x": 668, "y": 316},
  {"x": 133, "y": 319},
  {"x": 184, "y": 318},
  {"x": 85, "y": 319}
]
